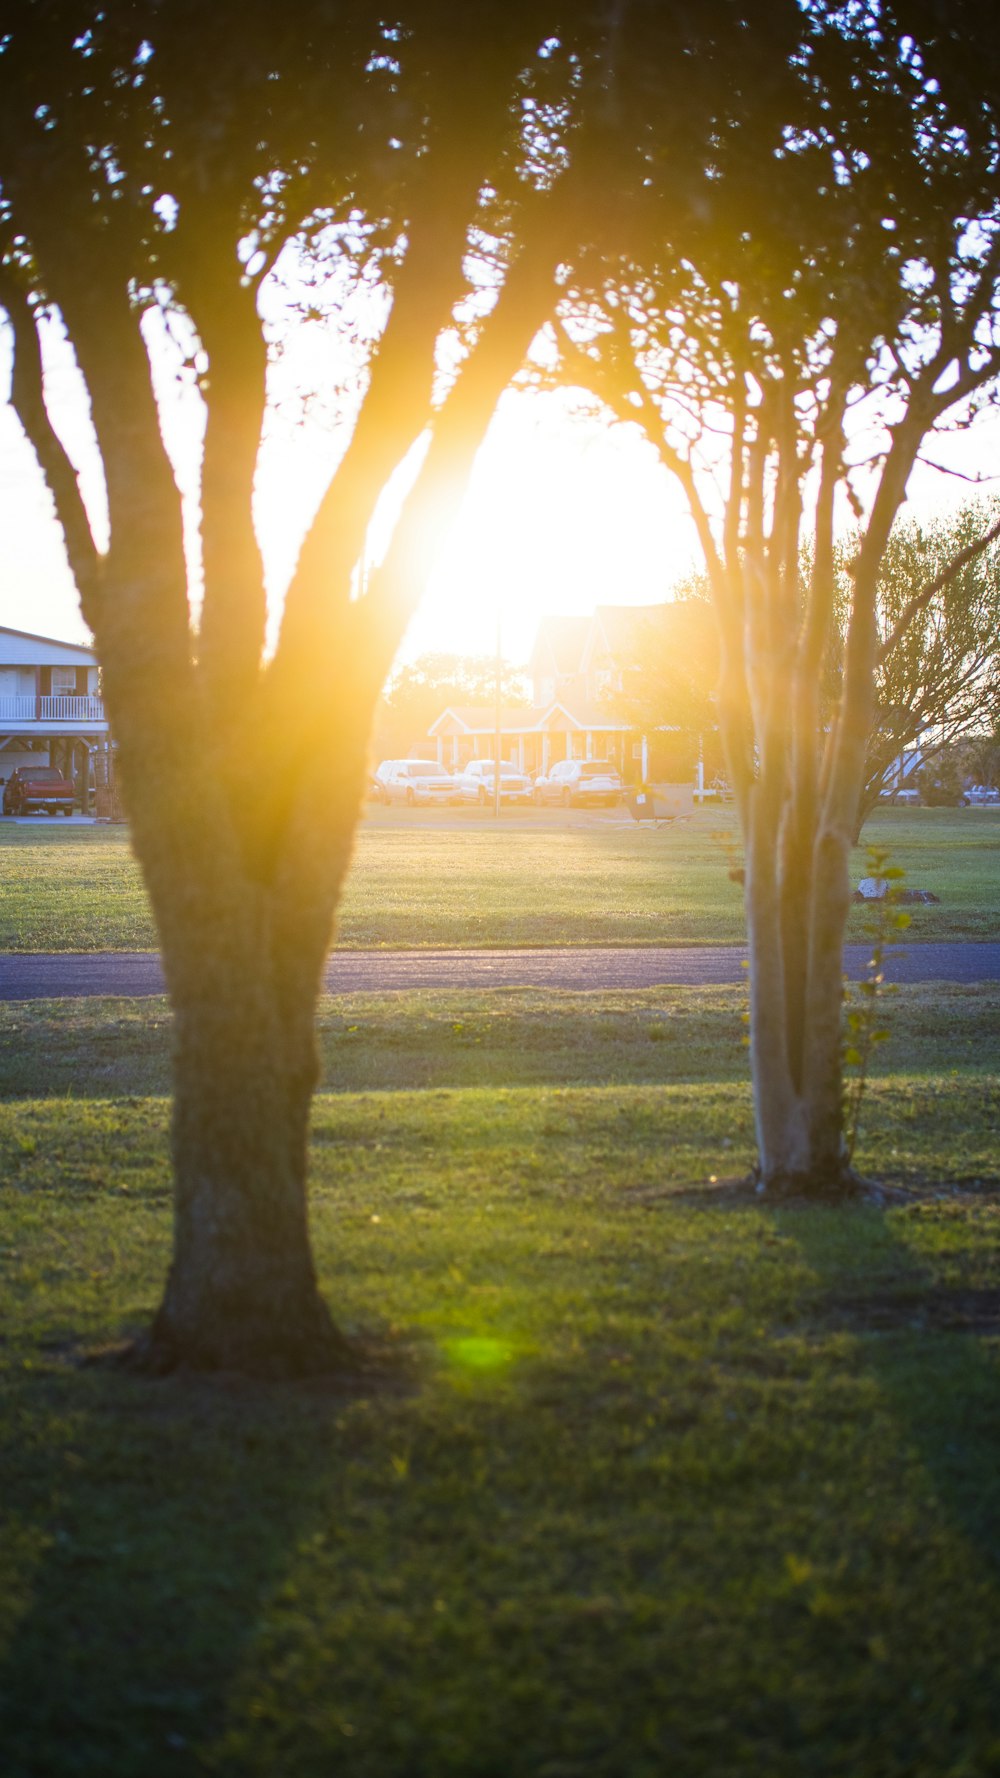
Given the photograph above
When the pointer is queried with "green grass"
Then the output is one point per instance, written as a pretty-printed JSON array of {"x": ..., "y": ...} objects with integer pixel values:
[
  {"x": 655, "y": 1478},
  {"x": 443, "y": 880},
  {"x": 502, "y": 1037}
]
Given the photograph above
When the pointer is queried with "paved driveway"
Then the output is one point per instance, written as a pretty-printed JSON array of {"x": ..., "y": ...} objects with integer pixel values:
[{"x": 34, "y": 977}]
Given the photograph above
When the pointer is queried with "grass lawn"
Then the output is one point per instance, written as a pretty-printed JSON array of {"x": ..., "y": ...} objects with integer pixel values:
[
  {"x": 503, "y": 1037},
  {"x": 456, "y": 879},
  {"x": 653, "y": 1478}
]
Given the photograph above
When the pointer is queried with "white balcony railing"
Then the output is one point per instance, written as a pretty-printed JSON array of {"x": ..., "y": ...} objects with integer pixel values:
[{"x": 51, "y": 709}]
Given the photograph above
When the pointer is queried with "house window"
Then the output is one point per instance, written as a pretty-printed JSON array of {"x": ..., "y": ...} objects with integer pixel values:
[{"x": 63, "y": 682}]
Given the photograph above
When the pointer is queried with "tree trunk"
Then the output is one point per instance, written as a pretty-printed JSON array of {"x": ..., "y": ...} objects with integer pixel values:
[
  {"x": 243, "y": 960},
  {"x": 796, "y": 1038},
  {"x": 778, "y": 1110},
  {"x": 241, "y": 1292}
]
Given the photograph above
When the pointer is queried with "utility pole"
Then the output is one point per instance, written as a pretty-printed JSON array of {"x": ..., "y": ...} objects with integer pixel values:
[{"x": 497, "y": 738}]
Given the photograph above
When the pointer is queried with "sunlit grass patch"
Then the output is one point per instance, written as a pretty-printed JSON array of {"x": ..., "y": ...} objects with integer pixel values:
[{"x": 470, "y": 884}]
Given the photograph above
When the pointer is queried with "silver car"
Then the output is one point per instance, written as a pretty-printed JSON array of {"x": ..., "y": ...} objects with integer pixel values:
[
  {"x": 477, "y": 782},
  {"x": 413, "y": 781},
  {"x": 580, "y": 781}
]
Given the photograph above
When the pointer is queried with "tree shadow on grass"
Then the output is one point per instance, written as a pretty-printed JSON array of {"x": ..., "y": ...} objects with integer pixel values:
[
  {"x": 150, "y": 1523},
  {"x": 922, "y": 1340}
]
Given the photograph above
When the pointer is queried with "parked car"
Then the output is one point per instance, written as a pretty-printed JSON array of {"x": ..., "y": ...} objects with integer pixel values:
[
  {"x": 413, "y": 781},
  {"x": 908, "y": 799},
  {"x": 982, "y": 793},
  {"x": 37, "y": 790},
  {"x": 580, "y": 781},
  {"x": 477, "y": 782}
]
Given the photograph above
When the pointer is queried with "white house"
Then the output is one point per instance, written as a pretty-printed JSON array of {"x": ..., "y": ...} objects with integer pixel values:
[
  {"x": 577, "y": 667},
  {"x": 51, "y": 710}
]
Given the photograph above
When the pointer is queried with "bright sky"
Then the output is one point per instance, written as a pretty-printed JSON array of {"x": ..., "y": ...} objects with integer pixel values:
[{"x": 565, "y": 511}]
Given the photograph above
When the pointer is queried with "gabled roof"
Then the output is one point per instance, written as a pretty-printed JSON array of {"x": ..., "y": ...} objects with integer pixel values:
[
  {"x": 584, "y": 716},
  {"x": 87, "y": 655},
  {"x": 531, "y": 721},
  {"x": 479, "y": 719}
]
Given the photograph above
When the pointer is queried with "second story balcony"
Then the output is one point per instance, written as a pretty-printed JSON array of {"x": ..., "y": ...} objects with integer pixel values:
[{"x": 66, "y": 710}]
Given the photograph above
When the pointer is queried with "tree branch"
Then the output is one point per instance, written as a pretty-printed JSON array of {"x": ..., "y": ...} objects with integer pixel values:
[
  {"x": 457, "y": 427},
  {"x": 234, "y": 606},
  {"x": 28, "y": 402},
  {"x": 921, "y": 600}
]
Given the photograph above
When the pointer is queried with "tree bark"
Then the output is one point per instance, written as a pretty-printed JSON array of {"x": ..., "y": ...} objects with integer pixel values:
[
  {"x": 242, "y": 1291},
  {"x": 782, "y": 1135}
]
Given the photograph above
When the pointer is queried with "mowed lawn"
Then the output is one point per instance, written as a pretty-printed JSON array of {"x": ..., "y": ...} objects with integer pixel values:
[
  {"x": 456, "y": 878},
  {"x": 642, "y": 1476}
]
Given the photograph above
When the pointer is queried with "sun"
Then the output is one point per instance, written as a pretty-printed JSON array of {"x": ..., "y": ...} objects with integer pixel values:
[{"x": 564, "y": 511}]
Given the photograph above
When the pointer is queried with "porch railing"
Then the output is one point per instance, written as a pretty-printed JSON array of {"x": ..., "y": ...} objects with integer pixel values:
[{"x": 51, "y": 709}]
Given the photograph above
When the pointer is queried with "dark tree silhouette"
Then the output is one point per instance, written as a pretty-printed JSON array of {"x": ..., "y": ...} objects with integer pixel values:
[{"x": 166, "y": 165}]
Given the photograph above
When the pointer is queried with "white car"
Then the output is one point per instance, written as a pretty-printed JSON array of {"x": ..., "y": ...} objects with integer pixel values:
[
  {"x": 580, "y": 781},
  {"x": 413, "y": 781},
  {"x": 476, "y": 782}
]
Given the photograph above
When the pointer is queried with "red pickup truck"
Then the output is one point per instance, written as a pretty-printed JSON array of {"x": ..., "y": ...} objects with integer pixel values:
[{"x": 39, "y": 790}]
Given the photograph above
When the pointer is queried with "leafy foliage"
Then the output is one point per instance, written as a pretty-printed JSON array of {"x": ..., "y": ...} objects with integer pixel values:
[{"x": 418, "y": 692}]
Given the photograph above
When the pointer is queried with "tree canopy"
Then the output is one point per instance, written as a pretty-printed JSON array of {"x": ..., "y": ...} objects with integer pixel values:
[{"x": 418, "y": 691}]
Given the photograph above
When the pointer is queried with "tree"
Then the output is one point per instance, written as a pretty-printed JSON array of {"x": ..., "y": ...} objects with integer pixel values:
[
  {"x": 939, "y": 680},
  {"x": 418, "y": 692},
  {"x": 834, "y": 305},
  {"x": 940, "y": 781},
  {"x": 172, "y": 174},
  {"x": 668, "y": 693},
  {"x": 164, "y": 172},
  {"x": 982, "y": 758}
]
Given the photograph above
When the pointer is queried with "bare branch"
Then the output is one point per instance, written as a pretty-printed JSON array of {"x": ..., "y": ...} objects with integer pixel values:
[
  {"x": 234, "y": 606},
  {"x": 28, "y": 402}
]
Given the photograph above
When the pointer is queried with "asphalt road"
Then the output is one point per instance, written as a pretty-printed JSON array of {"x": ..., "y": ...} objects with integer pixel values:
[{"x": 32, "y": 976}]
